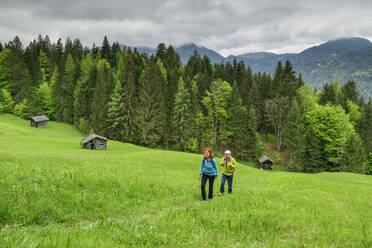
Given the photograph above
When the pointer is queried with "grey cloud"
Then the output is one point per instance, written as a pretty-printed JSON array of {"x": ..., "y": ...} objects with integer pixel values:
[{"x": 227, "y": 26}]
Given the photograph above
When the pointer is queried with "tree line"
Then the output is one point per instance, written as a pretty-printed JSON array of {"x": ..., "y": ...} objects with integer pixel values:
[{"x": 155, "y": 101}]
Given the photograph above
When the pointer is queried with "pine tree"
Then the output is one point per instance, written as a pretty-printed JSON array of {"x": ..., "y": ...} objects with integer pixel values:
[
  {"x": 129, "y": 84},
  {"x": 353, "y": 157},
  {"x": 83, "y": 93},
  {"x": 369, "y": 165},
  {"x": 294, "y": 133},
  {"x": 277, "y": 110},
  {"x": 66, "y": 110},
  {"x": 180, "y": 117},
  {"x": 20, "y": 77},
  {"x": 364, "y": 127},
  {"x": 118, "y": 106},
  {"x": 350, "y": 92},
  {"x": 21, "y": 109},
  {"x": 278, "y": 78},
  {"x": 56, "y": 89},
  {"x": 150, "y": 117},
  {"x": 289, "y": 83},
  {"x": 115, "y": 52},
  {"x": 41, "y": 100},
  {"x": 116, "y": 113},
  {"x": 172, "y": 64},
  {"x": 233, "y": 125},
  {"x": 250, "y": 141},
  {"x": 6, "y": 101},
  {"x": 102, "y": 93},
  {"x": 106, "y": 49},
  {"x": 6, "y": 70},
  {"x": 215, "y": 103},
  {"x": 194, "y": 127},
  {"x": 44, "y": 68},
  {"x": 1, "y": 47},
  {"x": 68, "y": 47}
]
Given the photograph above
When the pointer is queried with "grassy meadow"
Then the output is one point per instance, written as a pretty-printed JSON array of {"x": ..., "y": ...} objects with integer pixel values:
[{"x": 55, "y": 194}]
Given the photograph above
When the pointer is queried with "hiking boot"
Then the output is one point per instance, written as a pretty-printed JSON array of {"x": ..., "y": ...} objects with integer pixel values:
[
  {"x": 201, "y": 199},
  {"x": 221, "y": 194}
]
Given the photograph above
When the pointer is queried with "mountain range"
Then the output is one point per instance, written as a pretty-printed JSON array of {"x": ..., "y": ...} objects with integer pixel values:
[{"x": 336, "y": 60}]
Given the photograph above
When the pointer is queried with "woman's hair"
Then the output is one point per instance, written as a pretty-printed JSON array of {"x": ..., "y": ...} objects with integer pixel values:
[{"x": 210, "y": 152}]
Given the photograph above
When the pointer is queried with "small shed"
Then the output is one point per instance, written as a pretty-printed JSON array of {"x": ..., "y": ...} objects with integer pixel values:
[
  {"x": 94, "y": 142},
  {"x": 265, "y": 163},
  {"x": 39, "y": 121}
]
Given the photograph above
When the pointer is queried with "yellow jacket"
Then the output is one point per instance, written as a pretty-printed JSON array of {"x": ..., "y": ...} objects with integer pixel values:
[{"x": 228, "y": 166}]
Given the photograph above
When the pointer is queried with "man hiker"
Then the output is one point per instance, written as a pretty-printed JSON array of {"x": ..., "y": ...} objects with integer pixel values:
[{"x": 229, "y": 167}]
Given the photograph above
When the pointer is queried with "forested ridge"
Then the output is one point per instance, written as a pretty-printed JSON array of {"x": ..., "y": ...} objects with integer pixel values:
[{"x": 155, "y": 101}]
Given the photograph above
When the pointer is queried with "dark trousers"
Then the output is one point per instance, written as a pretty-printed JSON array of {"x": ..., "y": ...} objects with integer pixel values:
[
  {"x": 229, "y": 182},
  {"x": 203, "y": 182}
]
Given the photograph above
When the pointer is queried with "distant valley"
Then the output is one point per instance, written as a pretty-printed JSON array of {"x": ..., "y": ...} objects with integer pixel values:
[{"x": 337, "y": 60}]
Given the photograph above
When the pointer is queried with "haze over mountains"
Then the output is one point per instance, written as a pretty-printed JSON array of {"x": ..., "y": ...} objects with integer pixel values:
[{"x": 337, "y": 60}]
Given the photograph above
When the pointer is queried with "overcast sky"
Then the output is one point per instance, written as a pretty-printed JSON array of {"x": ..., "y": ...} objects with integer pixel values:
[{"x": 229, "y": 27}]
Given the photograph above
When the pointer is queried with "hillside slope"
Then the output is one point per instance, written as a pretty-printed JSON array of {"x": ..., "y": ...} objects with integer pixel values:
[{"x": 55, "y": 194}]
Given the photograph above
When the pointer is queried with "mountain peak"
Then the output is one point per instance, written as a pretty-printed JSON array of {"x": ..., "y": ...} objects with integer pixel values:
[
  {"x": 341, "y": 45},
  {"x": 189, "y": 44}
]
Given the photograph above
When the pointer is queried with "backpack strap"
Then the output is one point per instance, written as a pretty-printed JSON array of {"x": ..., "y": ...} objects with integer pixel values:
[{"x": 214, "y": 164}]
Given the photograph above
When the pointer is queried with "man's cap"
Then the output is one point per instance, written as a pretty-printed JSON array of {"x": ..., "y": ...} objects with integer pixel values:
[{"x": 227, "y": 152}]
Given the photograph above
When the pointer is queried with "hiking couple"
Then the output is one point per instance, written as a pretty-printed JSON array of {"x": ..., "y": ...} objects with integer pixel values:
[{"x": 209, "y": 172}]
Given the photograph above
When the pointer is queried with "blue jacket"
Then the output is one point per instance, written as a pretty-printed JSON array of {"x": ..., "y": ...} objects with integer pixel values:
[{"x": 209, "y": 167}]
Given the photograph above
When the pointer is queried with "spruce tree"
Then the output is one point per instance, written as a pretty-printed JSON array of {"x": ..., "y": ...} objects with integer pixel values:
[
  {"x": 350, "y": 91},
  {"x": 215, "y": 102},
  {"x": 180, "y": 117},
  {"x": 6, "y": 70},
  {"x": 44, "y": 68},
  {"x": 364, "y": 127},
  {"x": 66, "y": 110},
  {"x": 116, "y": 113},
  {"x": 294, "y": 134},
  {"x": 129, "y": 84},
  {"x": 101, "y": 97},
  {"x": 251, "y": 146},
  {"x": 353, "y": 157},
  {"x": 150, "y": 117},
  {"x": 56, "y": 89},
  {"x": 289, "y": 83},
  {"x": 106, "y": 49},
  {"x": 369, "y": 165},
  {"x": 21, "y": 109},
  {"x": 193, "y": 128},
  {"x": 118, "y": 106},
  {"x": 233, "y": 125},
  {"x": 83, "y": 93},
  {"x": 278, "y": 78},
  {"x": 20, "y": 76},
  {"x": 41, "y": 101},
  {"x": 6, "y": 101}
]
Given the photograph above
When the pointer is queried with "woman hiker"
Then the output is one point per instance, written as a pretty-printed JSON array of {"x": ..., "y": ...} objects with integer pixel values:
[
  {"x": 208, "y": 171},
  {"x": 229, "y": 167}
]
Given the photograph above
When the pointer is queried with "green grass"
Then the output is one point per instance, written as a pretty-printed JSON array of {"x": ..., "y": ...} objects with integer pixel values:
[{"x": 55, "y": 194}]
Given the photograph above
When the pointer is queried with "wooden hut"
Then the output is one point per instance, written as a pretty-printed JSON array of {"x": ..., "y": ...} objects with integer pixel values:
[
  {"x": 94, "y": 142},
  {"x": 265, "y": 163},
  {"x": 39, "y": 121}
]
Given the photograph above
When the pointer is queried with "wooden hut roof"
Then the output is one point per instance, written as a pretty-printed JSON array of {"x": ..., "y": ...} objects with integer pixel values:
[
  {"x": 265, "y": 158},
  {"x": 40, "y": 118},
  {"x": 92, "y": 137}
]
